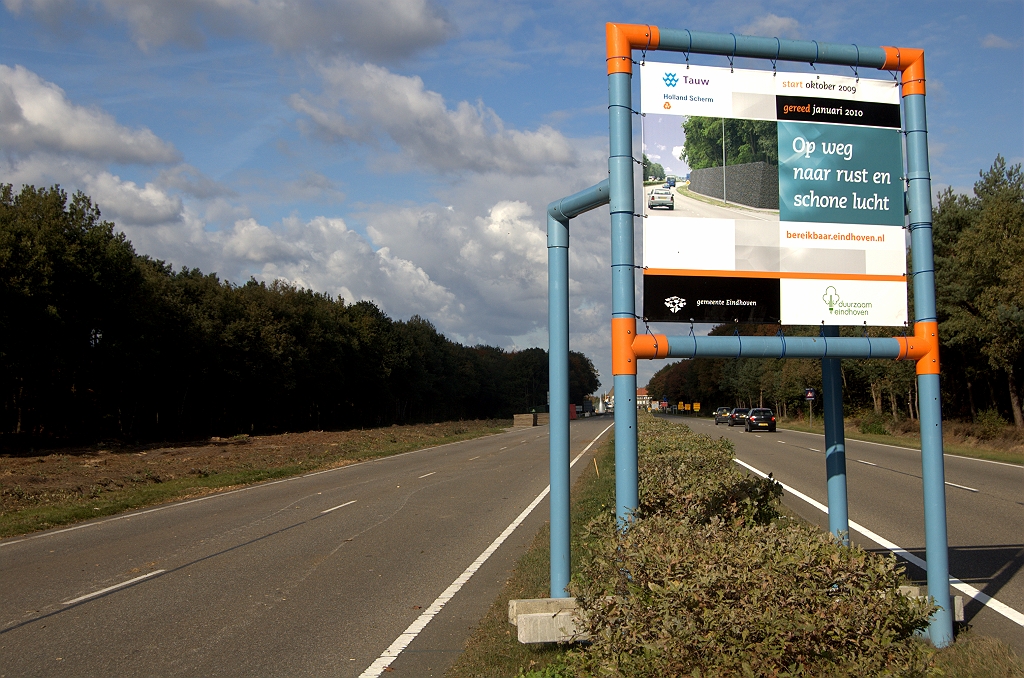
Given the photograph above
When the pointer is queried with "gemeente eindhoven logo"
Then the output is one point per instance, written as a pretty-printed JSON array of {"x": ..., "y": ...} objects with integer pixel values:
[{"x": 675, "y": 304}]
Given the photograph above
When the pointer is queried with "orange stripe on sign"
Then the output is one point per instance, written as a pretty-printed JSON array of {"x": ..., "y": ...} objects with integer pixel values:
[{"x": 788, "y": 275}]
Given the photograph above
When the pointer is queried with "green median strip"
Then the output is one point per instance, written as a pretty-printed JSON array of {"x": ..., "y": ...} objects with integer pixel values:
[{"x": 714, "y": 578}]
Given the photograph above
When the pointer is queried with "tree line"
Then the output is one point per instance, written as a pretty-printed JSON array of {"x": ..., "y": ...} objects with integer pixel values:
[
  {"x": 99, "y": 342},
  {"x": 979, "y": 268}
]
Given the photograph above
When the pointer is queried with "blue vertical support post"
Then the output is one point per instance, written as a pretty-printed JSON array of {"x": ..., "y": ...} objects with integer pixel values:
[
  {"x": 559, "y": 214},
  {"x": 558, "y": 390},
  {"x": 835, "y": 442},
  {"x": 919, "y": 202},
  {"x": 620, "y": 176}
]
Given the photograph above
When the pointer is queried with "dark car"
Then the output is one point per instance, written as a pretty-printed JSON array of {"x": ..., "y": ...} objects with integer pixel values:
[
  {"x": 738, "y": 415},
  {"x": 721, "y": 416},
  {"x": 760, "y": 419}
]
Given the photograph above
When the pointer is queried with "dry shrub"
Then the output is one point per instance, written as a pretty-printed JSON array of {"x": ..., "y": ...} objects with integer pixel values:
[{"x": 705, "y": 583}]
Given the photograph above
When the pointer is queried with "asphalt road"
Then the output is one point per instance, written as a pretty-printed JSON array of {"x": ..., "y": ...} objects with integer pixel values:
[
  {"x": 311, "y": 576},
  {"x": 690, "y": 207},
  {"x": 984, "y": 509}
]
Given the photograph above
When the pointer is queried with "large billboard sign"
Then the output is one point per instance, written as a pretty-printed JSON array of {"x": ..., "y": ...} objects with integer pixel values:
[{"x": 811, "y": 231}]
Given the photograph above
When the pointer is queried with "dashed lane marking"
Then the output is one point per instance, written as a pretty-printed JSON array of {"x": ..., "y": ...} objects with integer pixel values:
[
  {"x": 113, "y": 588},
  {"x": 338, "y": 507}
]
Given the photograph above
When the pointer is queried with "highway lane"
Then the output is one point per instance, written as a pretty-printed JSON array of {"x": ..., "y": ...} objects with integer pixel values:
[
  {"x": 314, "y": 575},
  {"x": 985, "y": 509},
  {"x": 690, "y": 207}
]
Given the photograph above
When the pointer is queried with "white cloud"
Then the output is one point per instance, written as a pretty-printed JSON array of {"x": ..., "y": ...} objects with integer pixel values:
[
  {"x": 125, "y": 201},
  {"x": 993, "y": 41},
  {"x": 773, "y": 26},
  {"x": 468, "y": 138},
  {"x": 379, "y": 29},
  {"x": 35, "y": 115}
]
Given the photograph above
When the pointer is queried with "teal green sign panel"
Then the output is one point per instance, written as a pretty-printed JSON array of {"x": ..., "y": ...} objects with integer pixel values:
[{"x": 840, "y": 174}]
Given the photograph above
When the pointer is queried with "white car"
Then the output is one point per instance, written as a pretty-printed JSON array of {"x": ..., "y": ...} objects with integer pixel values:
[{"x": 661, "y": 197}]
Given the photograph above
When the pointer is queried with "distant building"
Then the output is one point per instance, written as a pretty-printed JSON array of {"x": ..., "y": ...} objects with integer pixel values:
[{"x": 643, "y": 400}]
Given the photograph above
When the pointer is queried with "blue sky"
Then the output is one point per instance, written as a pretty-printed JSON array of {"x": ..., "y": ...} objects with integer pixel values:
[{"x": 403, "y": 150}]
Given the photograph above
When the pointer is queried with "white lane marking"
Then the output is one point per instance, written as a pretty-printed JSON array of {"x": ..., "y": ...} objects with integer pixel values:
[
  {"x": 504, "y": 448},
  {"x": 861, "y": 461},
  {"x": 217, "y": 495},
  {"x": 986, "y": 600},
  {"x": 477, "y": 456},
  {"x": 813, "y": 450},
  {"x": 389, "y": 655},
  {"x": 338, "y": 507},
  {"x": 914, "y": 449},
  {"x": 426, "y": 474},
  {"x": 781, "y": 441},
  {"x": 112, "y": 588},
  {"x": 962, "y": 487}
]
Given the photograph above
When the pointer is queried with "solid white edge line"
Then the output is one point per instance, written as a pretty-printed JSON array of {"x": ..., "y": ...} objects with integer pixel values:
[
  {"x": 338, "y": 507},
  {"x": 375, "y": 669},
  {"x": 217, "y": 495},
  {"x": 112, "y": 588},
  {"x": 983, "y": 598}
]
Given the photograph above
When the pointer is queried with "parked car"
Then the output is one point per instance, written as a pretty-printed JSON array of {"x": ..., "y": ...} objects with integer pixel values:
[
  {"x": 760, "y": 419},
  {"x": 721, "y": 416},
  {"x": 738, "y": 415},
  {"x": 661, "y": 197}
]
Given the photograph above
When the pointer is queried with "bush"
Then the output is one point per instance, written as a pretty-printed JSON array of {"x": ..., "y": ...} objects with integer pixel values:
[
  {"x": 874, "y": 424},
  {"x": 989, "y": 425},
  {"x": 705, "y": 583}
]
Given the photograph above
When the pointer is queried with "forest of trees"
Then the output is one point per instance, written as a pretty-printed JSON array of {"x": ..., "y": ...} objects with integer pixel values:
[
  {"x": 979, "y": 268},
  {"x": 98, "y": 342},
  {"x": 652, "y": 170},
  {"x": 745, "y": 141}
]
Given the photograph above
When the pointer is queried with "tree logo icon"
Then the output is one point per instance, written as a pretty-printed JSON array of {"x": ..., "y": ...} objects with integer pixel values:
[
  {"x": 670, "y": 79},
  {"x": 831, "y": 297},
  {"x": 675, "y": 304}
]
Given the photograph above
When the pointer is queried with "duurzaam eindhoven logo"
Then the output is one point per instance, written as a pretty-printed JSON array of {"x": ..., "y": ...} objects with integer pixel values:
[{"x": 836, "y": 305}]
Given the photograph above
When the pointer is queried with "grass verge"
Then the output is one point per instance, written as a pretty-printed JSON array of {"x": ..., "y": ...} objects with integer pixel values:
[
  {"x": 493, "y": 651},
  {"x": 974, "y": 656},
  {"x": 245, "y": 466}
]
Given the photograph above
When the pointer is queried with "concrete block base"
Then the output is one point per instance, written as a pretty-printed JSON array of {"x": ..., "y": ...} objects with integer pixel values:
[{"x": 545, "y": 620}]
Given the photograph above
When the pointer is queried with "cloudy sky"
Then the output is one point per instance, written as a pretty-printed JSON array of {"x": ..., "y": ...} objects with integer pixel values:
[{"x": 403, "y": 151}]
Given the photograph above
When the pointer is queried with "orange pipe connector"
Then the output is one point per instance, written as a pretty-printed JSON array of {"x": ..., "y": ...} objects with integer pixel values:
[
  {"x": 923, "y": 347},
  {"x": 622, "y": 39},
  {"x": 628, "y": 346},
  {"x": 910, "y": 62},
  {"x": 623, "y": 334}
]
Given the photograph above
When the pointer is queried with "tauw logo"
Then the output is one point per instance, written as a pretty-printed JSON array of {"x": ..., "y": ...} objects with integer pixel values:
[{"x": 671, "y": 80}]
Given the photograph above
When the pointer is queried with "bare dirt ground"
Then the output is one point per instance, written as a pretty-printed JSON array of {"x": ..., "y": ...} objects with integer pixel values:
[{"x": 84, "y": 474}]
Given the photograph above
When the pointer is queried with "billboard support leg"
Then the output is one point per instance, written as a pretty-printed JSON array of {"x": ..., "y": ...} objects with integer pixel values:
[{"x": 835, "y": 442}]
